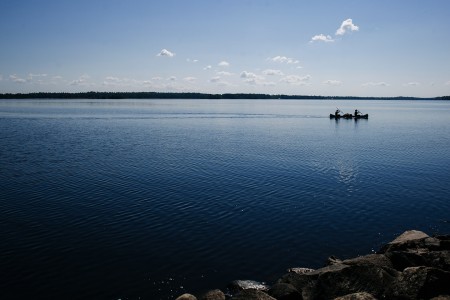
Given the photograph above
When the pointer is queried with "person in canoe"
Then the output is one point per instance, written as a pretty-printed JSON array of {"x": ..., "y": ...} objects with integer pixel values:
[
  {"x": 336, "y": 114},
  {"x": 357, "y": 112}
]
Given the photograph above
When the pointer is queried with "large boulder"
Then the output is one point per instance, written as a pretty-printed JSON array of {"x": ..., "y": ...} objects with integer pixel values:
[
  {"x": 420, "y": 283},
  {"x": 213, "y": 295},
  {"x": 186, "y": 297},
  {"x": 357, "y": 296},
  {"x": 285, "y": 291}
]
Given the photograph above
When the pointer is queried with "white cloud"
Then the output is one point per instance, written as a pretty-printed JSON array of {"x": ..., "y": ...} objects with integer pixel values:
[
  {"x": 321, "y": 38},
  {"x": 332, "y": 82},
  {"x": 382, "y": 83},
  {"x": 192, "y": 60},
  {"x": 172, "y": 78},
  {"x": 157, "y": 78},
  {"x": 83, "y": 80},
  {"x": 16, "y": 79},
  {"x": 296, "y": 80},
  {"x": 272, "y": 72},
  {"x": 223, "y": 64},
  {"x": 347, "y": 25},
  {"x": 165, "y": 52},
  {"x": 413, "y": 83},
  {"x": 284, "y": 59},
  {"x": 215, "y": 79},
  {"x": 207, "y": 67},
  {"x": 245, "y": 74},
  {"x": 224, "y": 73},
  {"x": 189, "y": 79}
]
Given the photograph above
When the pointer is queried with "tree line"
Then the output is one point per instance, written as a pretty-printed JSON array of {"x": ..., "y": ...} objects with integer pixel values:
[{"x": 157, "y": 95}]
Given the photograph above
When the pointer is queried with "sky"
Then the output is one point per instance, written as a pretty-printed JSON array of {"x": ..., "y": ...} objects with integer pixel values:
[{"x": 343, "y": 48}]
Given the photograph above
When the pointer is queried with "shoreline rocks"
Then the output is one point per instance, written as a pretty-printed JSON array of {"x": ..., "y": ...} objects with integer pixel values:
[{"x": 412, "y": 266}]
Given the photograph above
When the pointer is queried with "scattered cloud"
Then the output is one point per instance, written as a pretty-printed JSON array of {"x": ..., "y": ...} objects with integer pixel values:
[
  {"x": 414, "y": 83},
  {"x": 245, "y": 74},
  {"x": 190, "y": 79},
  {"x": 332, "y": 82},
  {"x": 296, "y": 80},
  {"x": 16, "y": 79},
  {"x": 271, "y": 72},
  {"x": 382, "y": 83},
  {"x": 224, "y": 73},
  {"x": 215, "y": 79},
  {"x": 223, "y": 64},
  {"x": 321, "y": 38},
  {"x": 207, "y": 67},
  {"x": 165, "y": 52},
  {"x": 192, "y": 60},
  {"x": 284, "y": 59},
  {"x": 346, "y": 25},
  {"x": 172, "y": 78},
  {"x": 83, "y": 80},
  {"x": 157, "y": 78}
]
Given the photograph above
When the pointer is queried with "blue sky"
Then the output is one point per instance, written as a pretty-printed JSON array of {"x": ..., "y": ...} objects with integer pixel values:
[{"x": 360, "y": 48}]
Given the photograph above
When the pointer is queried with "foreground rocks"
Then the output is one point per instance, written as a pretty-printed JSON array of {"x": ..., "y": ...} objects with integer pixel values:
[{"x": 413, "y": 266}]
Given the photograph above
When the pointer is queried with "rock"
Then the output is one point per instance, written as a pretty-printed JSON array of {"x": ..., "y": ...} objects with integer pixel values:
[
  {"x": 300, "y": 270},
  {"x": 213, "y": 295},
  {"x": 441, "y": 297},
  {"x": 240, "y": 285},
  {"x": 285, "y": 291},
  {"x": 379, "y": 260},
  {"x": 357, "y": 296},
  {"x": 412, "y": 240},
  {"x": 352, "y": 279},
  {"x": 420, "y": 283},
  {"x": 332, "y": 260},
  {"x": 303, "y": 283},
  {"x": 186, "y": 297},
  {"x": 252, "y": 295}
]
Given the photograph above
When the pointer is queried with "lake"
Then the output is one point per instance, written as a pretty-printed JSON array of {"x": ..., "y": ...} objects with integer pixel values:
[{"x": 149, "y": 199}]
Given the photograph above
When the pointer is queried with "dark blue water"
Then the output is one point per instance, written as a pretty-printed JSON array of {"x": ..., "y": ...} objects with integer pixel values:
[{"x": 129, "y": 199}]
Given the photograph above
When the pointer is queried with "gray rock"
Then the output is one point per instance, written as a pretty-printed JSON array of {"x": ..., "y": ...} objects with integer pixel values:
[
  {"x": 240, "y": 285},
  {"x": 300, "y": 270},
  {"x": 186, "y": 297},
  {"x": 420, "y": 283},
  {"x": 352, "y": 279},
  {"x": 409, "y": 235},
  {"x": 379, "y": 260},
  {"x": 412, "y": 240},
  {"x": 285, "y": 291},
  {"x": 213, "y": 295},
  {"x": 252, "y": 295},
  {"x": 357, "y": 296}
]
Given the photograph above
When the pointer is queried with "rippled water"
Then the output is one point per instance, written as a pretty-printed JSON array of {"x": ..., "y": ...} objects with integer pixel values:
[{"x": 129, "y": 199}]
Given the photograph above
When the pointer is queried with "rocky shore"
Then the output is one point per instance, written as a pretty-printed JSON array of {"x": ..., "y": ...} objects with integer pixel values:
[{"x": 413, "y": 266}]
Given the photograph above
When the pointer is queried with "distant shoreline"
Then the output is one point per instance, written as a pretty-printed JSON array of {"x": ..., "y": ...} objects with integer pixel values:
[{"x": 156, "y": 95}]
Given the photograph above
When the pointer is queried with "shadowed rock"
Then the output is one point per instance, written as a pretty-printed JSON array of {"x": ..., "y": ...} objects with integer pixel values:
[
  {"x": 285, "y": 291},
  {"x": 252, "y": 295},
  {"x": 357, "y": 296},
  {"x": 240, "y": 285},
  {"x": 213, "y": 295},
  {"x": 186, "y": 297}
]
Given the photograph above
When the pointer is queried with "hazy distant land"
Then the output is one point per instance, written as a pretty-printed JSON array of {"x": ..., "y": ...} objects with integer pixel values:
[{"x": 156, "y": 95}]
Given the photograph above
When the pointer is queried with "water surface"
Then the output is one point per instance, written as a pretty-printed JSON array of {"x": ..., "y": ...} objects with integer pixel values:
[{"x": 148, "y": 199}]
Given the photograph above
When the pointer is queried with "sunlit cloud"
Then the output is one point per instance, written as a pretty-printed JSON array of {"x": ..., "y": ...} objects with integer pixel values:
[
  {"x": 322, "y": 38},
  {"x": 224, "y": 73},
  {"x": 82, "y": 80},
  {"x": 190, "y": 79},
  {"x": 382, "y": 83},
  {"x": 346, "y": 25},
  {"x": 245, "y": 74},
  {"x": 223, "y": 64},
  {"x": 332, "y": 82},
  {"x": 414, "y": 83},
  {"x": 296, "y": 80},
  {"x": 284, "y": 59},
  {"x": 271, "y": 72},
  {"x": 16, "y": 79},
  {"x": 166, "y": 53},
  {"x": 207, "y": 67}
]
